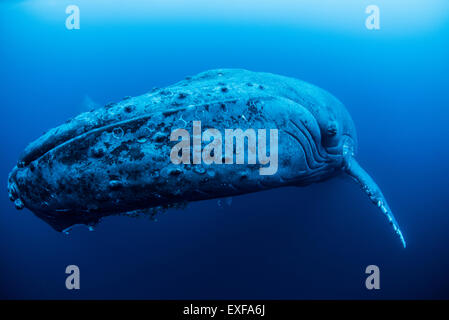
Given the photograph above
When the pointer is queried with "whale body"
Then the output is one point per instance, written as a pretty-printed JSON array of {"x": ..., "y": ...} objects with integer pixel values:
[{"x": 116, "y": 159}]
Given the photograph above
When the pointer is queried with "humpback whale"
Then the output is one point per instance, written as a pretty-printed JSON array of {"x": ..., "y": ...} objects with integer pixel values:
[{"x": 116, "y": 159}]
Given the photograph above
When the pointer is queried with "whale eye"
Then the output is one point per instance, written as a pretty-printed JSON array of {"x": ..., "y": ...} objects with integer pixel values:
[
  {"x": 331, "y": 129},
  {"x": 330, "y": 134}
]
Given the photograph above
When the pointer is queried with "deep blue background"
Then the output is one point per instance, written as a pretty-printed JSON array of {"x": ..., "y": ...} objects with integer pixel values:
[{"x": 290, "y": 243}]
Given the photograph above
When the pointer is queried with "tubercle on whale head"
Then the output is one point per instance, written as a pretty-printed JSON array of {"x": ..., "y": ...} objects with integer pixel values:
[{"x": 13, "y": 191}]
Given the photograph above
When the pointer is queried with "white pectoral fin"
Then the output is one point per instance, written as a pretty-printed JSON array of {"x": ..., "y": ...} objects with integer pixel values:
[{"x": 373, "y": 191}]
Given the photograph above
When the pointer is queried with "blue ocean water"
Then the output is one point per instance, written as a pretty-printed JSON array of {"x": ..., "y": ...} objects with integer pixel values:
[{"x": 288, "y": 243}]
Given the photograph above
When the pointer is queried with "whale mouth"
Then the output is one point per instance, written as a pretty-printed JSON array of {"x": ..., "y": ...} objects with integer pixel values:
[
  {"x": 73, "y": 129},
  {"x": 55, "y": 137},
  {"x": 60, "y": 222},
  {"x": 84, "y": 124}
]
